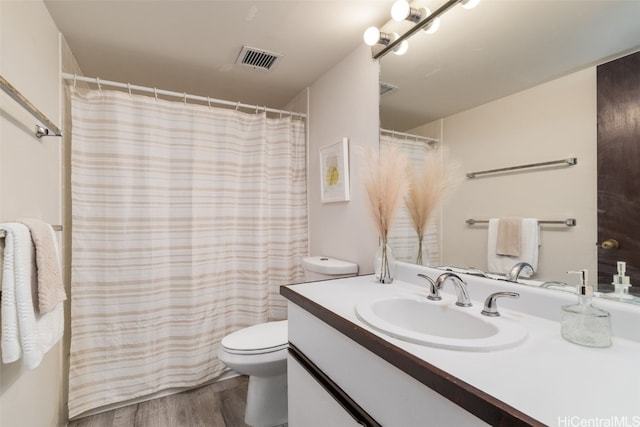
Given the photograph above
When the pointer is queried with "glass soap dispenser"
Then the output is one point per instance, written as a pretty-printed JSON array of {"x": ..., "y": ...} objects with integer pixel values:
[{"x": 583, "y": 323}]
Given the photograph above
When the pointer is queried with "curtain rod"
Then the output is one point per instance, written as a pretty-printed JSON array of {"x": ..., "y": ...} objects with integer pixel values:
[
  {"x": 35, "y": 112},
  {"x": 409, "y": 135},
  {"x": 96, "y": 80}
]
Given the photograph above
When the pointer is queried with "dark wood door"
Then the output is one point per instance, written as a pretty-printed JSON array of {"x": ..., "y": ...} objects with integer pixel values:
[{"x": 618, "y": 97}]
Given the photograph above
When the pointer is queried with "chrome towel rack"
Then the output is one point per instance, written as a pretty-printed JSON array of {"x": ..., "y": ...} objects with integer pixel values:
[
  {"x": 3, "y": 233},
  {"x": 569, "y": 222},
  {"x": 35, "y": 112},
  {"x": 569, "y": 162}
]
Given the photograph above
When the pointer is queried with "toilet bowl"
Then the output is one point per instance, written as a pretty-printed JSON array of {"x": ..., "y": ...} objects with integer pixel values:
[{"x": 260, "y": 351}]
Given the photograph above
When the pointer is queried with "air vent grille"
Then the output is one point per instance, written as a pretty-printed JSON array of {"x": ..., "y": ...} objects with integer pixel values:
[
  {"x": 257, "y": 58},
  {"x": 386, "y": 88}
]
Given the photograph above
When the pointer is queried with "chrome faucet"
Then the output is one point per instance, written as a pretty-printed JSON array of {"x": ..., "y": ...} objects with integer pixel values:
[
  {"x": 477, "y": 272},
  {"x": 553, "y": 283},
  {"x": 514, "y": 273},
  {"x": 436, "y": 286},
  {"x": 432, "y": 284},
  {"x": 490, "y": 306}
]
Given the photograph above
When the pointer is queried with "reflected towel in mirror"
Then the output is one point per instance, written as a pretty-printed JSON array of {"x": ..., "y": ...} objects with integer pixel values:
[
  {"x": 508, "y": 236},
  {"x": 529, "y": 247}
]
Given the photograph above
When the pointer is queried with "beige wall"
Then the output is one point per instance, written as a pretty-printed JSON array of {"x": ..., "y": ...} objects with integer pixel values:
[
  {"x": 30, "y": 186},
  {"x": 344, "y": 103},
  {"x": 555, "y": 120}
]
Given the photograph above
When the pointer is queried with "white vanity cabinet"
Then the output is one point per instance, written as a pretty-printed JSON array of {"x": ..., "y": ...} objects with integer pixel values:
[
  {"x": 393, "y": 382},
  {"x": 388, "y": 396},
  {"x": 311, "y": 405}
]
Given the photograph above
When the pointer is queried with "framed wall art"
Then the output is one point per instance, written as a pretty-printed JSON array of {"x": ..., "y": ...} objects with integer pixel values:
[{"x": 334, "y": 172}]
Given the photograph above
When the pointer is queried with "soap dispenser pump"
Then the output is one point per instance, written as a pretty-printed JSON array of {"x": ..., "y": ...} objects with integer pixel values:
[
  {"x": 583, "y": 323},
  {"x": 621, "y": 283}
]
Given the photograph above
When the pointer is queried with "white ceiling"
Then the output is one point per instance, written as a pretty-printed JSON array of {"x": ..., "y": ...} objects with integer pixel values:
[
  {"x": 498, "y": 48},
  {"x": 191, "y": 46}
]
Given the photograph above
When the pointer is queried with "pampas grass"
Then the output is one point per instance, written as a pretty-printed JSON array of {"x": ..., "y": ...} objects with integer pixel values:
[
  {"x": 385, "y": 182},
  {"x": 427, "y": 188}
]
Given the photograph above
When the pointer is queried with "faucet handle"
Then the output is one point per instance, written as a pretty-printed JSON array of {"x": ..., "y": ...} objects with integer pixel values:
[
  {"x": 490, "y": 305},
  {"x": 434, "y": 291}
]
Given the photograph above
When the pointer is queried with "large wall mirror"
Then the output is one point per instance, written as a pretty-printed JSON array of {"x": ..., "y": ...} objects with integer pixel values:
[{"x": 505, "y": 84}]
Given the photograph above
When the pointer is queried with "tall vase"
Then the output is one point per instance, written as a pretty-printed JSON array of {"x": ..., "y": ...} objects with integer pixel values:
[
  {"x": 423, "y": 252},
  {"x": 385, "y": 263}
]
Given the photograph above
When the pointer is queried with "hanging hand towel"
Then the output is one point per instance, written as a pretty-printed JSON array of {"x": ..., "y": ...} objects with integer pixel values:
[
  {"x": 508, "y": 236},
  {"x": 529, "y": 247},
  {"x": 24, "y": 333},
  {"x": 50, "y": 287}
]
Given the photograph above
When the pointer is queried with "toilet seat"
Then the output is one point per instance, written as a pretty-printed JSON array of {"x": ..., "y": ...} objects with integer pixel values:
[{"x": 257, "y": 339}]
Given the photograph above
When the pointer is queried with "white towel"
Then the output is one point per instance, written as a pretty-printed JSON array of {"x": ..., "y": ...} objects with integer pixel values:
[
  {"x": 529, "y": 248},
  {"x": 24, "y": 333}
]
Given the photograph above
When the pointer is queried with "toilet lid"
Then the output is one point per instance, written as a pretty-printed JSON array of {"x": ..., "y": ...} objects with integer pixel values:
[{"x": 261, "y": 338}]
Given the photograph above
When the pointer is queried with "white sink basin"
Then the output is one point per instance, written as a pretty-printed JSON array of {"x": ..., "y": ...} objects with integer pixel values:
[{"x": 438, "y": 324}]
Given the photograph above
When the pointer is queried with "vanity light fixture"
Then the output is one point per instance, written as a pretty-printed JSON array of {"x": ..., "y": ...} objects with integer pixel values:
[
  {"x": 402, "y": 48},
  {"x": 423, "y": 19},
  {"x": 432, "y": 26},
  {"x": 373, "y": 36},
  {"x": 401, "y": 11}
]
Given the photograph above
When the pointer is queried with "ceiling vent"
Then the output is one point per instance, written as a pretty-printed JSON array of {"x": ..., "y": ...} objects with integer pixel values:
[
  {"x": 386, "y": 88},
  {"x": 257, "y": 58}
]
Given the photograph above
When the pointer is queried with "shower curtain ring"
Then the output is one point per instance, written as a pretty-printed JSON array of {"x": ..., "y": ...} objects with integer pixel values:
[
  {"x": 129, "y": 87},
  {"x": 237, "y": 105},
  {"x": 185, "y": 98},
  {"x": 75, "y": 76},
  {"x": 209, "y": 102},
  {"x": 99, "y": 85},
  {"x": 155, "y": 93}
]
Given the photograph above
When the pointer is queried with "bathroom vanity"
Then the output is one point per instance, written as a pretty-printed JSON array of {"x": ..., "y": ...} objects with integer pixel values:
[{"x": 343, "y": 372}]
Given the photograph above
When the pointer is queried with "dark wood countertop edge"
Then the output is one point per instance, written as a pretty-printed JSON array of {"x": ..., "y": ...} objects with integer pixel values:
[{"x": 482, "y": 405}]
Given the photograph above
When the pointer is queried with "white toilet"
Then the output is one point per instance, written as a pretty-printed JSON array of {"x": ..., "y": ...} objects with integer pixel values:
[{"x": 260, "y": 351}]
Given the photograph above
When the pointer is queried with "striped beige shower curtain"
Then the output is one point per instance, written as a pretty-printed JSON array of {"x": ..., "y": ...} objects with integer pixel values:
[{"x": 186, "y": 219}]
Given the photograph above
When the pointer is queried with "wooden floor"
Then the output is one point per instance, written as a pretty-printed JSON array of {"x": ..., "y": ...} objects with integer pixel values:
[{"x": 217, "y": 405}]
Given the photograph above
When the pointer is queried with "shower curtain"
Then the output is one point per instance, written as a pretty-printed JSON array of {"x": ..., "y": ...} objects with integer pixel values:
[
  {"x": 186, "y": 220},
  {"x": 403, "y": 238}
]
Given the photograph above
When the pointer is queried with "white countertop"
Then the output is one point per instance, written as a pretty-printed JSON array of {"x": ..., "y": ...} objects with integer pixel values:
[{"x": 545, "y": 377}]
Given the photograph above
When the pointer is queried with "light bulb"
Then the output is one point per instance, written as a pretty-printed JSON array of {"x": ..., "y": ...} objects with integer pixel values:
[
  {"x": 433, "y": 26},
  {"x": 371, "y": 36},
  {"x": 402, "y": 48},
  {"x": 400, "y": 10},
  {"x": 469, "y": 4}
]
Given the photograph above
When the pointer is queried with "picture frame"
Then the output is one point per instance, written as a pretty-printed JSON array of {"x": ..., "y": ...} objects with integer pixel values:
[{"x": 334, "y": 172}]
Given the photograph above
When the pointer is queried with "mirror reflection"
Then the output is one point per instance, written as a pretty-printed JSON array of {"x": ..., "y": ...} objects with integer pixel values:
[{"x": 508, "y": 84}]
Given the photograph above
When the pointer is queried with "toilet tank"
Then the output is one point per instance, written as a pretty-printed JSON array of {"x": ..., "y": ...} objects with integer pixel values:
[{"x": 322, "y": 268}]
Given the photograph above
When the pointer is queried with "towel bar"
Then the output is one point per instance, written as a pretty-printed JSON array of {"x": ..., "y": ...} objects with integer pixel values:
[
  {"x": 569, "y": 222},
  {"x": 570, "y": 162},
  {"x": 55, "y": 227},
  {"x": 35, "y": 112}
]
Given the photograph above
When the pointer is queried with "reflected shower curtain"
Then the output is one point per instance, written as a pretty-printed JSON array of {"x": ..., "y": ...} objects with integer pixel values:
[
  {"x": 403, "y": 238},
  {"x": 186, "y": 220}
]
